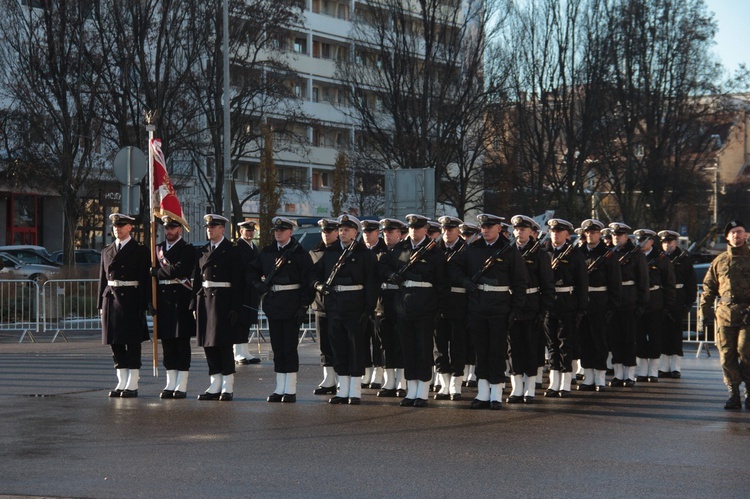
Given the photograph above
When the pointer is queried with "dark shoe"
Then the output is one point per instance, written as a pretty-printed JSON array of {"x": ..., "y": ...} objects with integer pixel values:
[
  {"x": 609, "y": 372},
  {"x": 629, "y": 383},
  {"x": 551, "y": 393},
  {"x": 442, "y": 396},
  {"x": 436, "y": 388},
  {"x": 364, "y": 385},
  {"x": 676, "y": 374},
  {"x": 407, "y": 403},
  {"x": 355, "y": 401},
  {"x": 616, "y": 382},
  {"x": 515, "y": 399},
  {"x": 528, "y": 400},
  {"x": 179, "y": 395},
  {"x": 167, "y": 394},
  {"x": 496, "y": 405},
  {"x": 479, "y": 404},
  {"x": 325, "y": 390},
  {"x": 289, "y": 398},
  {"x": 579, "y": 376},
  {"x": 209, "y": 396},
  {"x": 472, "y": 383},
  {"x": 733, "y": 402},
  {"x": 387, "y": 392},
  {"x": 226, "y": 396},
  {"x": 563, "y": 394},
  {"x": 601, "y": 388},
  {"x": 254, "y": 360},
  {"x": 115, "y": 393},
  {"x": 401, "y": 393},
  {"x": 641, "y": 379},
  {"x": 573, "y": 382},
  {"x": 586, "y": 388},
  {"x": 653, "y": 379},
  {"x": 420, "y": 402},
  {"x": 375, "y": 386},
  {"x": 747, "y": 402},
  {"x": 464, "y": 384},
  {"x": 456, "y": 396},
  {"x": 275, "y": 397},
  {"x": 129, "y": 394},
  {"x": 338, "y": 400},
  {"x": 664, "y": 374}
]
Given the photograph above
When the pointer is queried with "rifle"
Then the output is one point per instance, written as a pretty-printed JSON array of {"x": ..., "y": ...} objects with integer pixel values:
[
  {"x": 656, "y": 259},
  {"x": 568, "y": 250},
  {"x": 535, "y": 246},
  {"x": 593, "y": 266},
  {"x": 342, "y": 259},
  {"x": 462, "y": 248},
  {"x": 416, "y": 256},
  {"x": 491, "y": 260},
  {"x": 280, "y": 261},
  {"x": 626, "y": 257}
]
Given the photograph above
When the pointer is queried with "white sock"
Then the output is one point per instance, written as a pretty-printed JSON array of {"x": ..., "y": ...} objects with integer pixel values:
[
  {"x": 237, "y": 349},
  {"x": 280, "y": 382},
  {"x": 423, "y": 390},
  {"x": 540, "y": 372},
  {"x": 329, "y": 377},
  {"x": 483, "y": 390},
  {"x": 389, "y": 377},
  {"x": 377, "y": 376},
  {"x": 530, "y": 388},
  {"x": 574, "y": 365},
  {"x": 445, "y": 383},
  {"x": 472, "y": 374},
  {"x": 367, "y": 376},
  {"x": 642, "y": 366},
  {"x": 675, "y": 361},
  {"x": 455, "y": 387},
  {"x": 227, "y": 383},
  {"x": 600, "y": 377},
  {"x": 653, "y": 367},
  {"x": 631, "y": 372},
  {"x": 664, "y": 363},
  {"x": 565, "y": 380},
  {"x": 171, "y": 380},
  {"x": 588, "y": 376},
  {"x": 400, "y": 379},
  {"x": 516, "y": 383},
  {"x": 182, "y": 381},
  {"x": 290, "y": 384},
  {"x": 554, "y": 380},
  {"x": 466, "y": 371},
  {"x": 355, "y": 388},
  {"x": 619, "y": 371},
  {"x": 215, "y": 386},
  {"x": 122, "y": 379},
  {"x": 133, "y": 376},
  {"x": 412, "y": 386},
  {"x": 345, "y": 383}
]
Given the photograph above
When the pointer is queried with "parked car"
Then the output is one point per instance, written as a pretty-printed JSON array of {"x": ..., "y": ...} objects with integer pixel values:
[
  {"x": 87, "y": 262},
  {"x": 28, "y": 253},
  {"x": 14, "y": 268}
]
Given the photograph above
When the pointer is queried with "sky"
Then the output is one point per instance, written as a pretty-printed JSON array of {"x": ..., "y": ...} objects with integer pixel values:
[{"x": 732, "y": 45}]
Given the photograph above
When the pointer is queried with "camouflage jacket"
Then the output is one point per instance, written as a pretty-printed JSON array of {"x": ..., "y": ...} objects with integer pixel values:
[{"x": 728, "y": 280}]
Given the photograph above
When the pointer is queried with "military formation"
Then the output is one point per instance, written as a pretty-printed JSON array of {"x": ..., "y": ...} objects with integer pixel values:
[{"x": 418, "y": 309}]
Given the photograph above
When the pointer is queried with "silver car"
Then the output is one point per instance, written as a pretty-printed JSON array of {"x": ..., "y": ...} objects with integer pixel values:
[{"x": 16, "y": 269}]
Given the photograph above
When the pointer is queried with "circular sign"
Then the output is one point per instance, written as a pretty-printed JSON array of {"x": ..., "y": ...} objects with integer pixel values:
[{"x": 130, "y": 165}]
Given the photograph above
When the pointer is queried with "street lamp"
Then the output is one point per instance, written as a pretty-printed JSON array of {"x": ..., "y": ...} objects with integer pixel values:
[{"x": 715, "y": 168}]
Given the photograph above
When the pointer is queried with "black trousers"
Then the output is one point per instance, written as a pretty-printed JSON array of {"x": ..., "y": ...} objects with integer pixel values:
[
  {"x": 220, "y": 360},
  {"x": 561, "y": 333},
  {"x": 450, "y": 346},
  {"x": 648, "y": 336},
  {"x": 284, "y": 340},
  {"x": 177, "y": 352},
  {"x": 490, "y": 336},
  {"x": 373, "y": 348},
  {"x": 416, "y": 344},
  {"x": 321, "y": 329},
  {"x": 127, "y": 356},
  {"x": 622, "y": 340},
  {"x": 470, "y": 354},
  {"x": 593, "y": 330},
  {"x": 347, "y": 335},
  {"x": 671, "y": 334},
  {"x": 524, "y": 349},
  {"x": 393, "y": 357}
]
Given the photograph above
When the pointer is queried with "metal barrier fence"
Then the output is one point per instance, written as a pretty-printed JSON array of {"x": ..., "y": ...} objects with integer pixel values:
[{"x": 62, "y": 306}]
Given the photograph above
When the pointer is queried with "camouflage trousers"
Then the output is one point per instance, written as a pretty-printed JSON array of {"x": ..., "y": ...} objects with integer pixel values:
[{"x": 733, "y": 344}]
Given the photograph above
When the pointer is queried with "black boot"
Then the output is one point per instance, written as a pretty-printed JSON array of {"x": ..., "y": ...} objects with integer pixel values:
[{"x": 734, "y": 401}]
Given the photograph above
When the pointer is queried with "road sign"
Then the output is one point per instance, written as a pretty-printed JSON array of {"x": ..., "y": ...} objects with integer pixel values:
[{"x": 130, "y": 165}]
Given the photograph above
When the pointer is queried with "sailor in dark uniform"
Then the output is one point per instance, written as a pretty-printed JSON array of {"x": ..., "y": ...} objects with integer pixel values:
[
  {"x": 417, "y": 266},
  {"x": 495, "y": 278},
  {"x": 218, "y": 295},
  {"x": 434, "y": 230},
  {"x": 661, "y": 298},
  {"x": 469, "y": 232},
  {"x": 329, "y": 234},
  {"x": 385, "y": 320},
  {"x": 176, "y": 324},
  {"x": 634, "y": 300},
  {"x": 607, "y": 237},
  {"x": 686, "y": 290},
  {"x": 346, "y": 275},
  {"x": 605, "y": 287},
  {"x": 571, "y": 301},
  {"x": 525, "y": 335},
  {"x": 281, "y": 274},
  {"x": 124, "y": 297},
  {"x": 450, "y": 332},
  {"x": 249, "y": 316},
  {"x": 373, "y": 377}
]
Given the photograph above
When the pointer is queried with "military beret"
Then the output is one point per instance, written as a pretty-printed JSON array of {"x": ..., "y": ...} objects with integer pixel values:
[
  {"x": 488, "y": 219},
  {"x": 468, "y": 228},
  {"x": 449, "y": 222},
  {"x": 392, "y": 224},
  {"x": 283, "y": 223},
  {"x": 121, "y": 219},
  {"x": 370, "y": 225},
  {"x": 247, "y": 225},
  {"x": 644, "y": 234},
  {"x": 668, "y": 235},
  {"x": 350, "y": 221},
  {"x": 733, "y": 224},
  {"x": 212, "y": 220},
  {"x": 416, "y": 221},
  {"x": 619, "y": 228},
  {"x": 433, "y": 227},
  {"x": 592, "y": 224},
  {"x": 557, "y": 224},
  {"x": 524, "y": 221}
]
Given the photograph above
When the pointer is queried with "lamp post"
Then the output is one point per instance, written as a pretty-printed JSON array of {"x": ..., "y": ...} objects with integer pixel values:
[{"x": 715, "y": 169}]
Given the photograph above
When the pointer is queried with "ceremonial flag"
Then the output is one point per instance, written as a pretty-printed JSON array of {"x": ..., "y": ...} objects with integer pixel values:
[{"x": 164, "y": 197}]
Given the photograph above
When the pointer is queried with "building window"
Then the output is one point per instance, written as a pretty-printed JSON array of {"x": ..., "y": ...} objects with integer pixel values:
[
  {"x": 300, "y": 45},
  {"x": 321, "y": 180}
]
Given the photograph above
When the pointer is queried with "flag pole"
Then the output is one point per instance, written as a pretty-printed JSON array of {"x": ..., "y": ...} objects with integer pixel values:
[{"x": 151, "y": 128}]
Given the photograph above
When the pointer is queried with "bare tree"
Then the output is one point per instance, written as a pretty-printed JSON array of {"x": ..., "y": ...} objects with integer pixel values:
[
  {"x": 340, "y": 183},
  {"x": 270, "y": 192}
]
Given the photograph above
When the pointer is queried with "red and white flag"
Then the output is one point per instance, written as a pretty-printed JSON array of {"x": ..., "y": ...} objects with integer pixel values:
[{"x": 165, "y": 200}]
